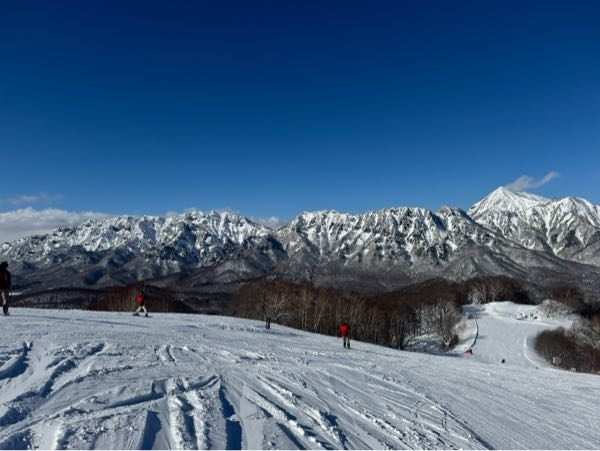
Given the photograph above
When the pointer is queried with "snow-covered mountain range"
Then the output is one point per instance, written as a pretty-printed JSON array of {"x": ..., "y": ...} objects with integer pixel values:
[{"x": 516, "y": 234}]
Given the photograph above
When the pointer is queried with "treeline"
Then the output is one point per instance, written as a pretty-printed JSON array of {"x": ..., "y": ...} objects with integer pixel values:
[
  {"x": 59, "y": 298},
  {"x": 123, "y": 299},
  {"x": 389, "y": 322},
  {"x": 575, "y": 349}
]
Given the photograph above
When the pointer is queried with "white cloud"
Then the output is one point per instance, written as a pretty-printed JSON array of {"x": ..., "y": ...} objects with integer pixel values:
[
  {"x": 28, "y": 221},
  {"x": 30, "y": 199},
  {"x": 526, "y": 182}
]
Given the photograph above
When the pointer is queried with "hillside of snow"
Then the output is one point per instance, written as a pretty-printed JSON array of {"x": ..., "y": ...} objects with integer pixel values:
[{"x": 83, "y": 380}]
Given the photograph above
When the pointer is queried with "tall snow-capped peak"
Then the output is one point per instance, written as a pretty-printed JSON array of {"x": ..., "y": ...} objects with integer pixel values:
[
  {"x": 567, "y": 227},
  {"x": 504, "y": 199}
]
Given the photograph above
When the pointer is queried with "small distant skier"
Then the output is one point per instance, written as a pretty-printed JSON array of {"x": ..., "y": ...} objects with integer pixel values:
[
  {"x": 344, "y": 331},
  {"x": 141, "y": 301},
  {"x": 268, "y": 322},
  {"x": 5, "y": 284}
]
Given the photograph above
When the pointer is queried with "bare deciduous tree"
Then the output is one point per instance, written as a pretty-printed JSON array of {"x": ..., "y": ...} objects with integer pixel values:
[
  {"x": 589, "y": 331},
  {"x": 447, "y": 323}
]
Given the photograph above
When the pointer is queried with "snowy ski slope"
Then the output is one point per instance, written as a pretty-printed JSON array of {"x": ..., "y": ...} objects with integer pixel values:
[{"x": 84, "y": 380}]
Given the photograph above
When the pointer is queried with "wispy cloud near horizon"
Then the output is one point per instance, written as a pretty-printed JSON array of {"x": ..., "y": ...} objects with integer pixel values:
[
  {"x": 30, "y": 199},
  {"x": 526, "y": 182},
  {"x": 29, "y": 221}
]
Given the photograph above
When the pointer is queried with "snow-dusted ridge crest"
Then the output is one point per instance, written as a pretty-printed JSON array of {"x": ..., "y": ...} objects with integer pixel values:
[
  {"x": 126, "y": 248},
  {"x": 103, "y": 234},
  {"x": 568, "y": 227},
  {"x": 505, "y": 233}
]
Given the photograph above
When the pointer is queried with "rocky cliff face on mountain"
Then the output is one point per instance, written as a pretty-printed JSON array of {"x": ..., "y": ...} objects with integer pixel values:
[
  {"x": 386, "y": 247},
  {"x": 515, "y": 234},
  {"x": 568, "y": 228},
  {"x": 125, "y": 249}
]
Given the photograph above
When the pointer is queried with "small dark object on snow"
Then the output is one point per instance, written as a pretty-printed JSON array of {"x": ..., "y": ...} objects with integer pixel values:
[
  {"x": 503, "y": 361},
  {"x": 5, "y": 285}
]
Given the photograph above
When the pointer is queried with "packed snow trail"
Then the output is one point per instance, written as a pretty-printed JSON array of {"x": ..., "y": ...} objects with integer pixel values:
[
  {"x": 84, "y": 380},
  {"x": 505, "y": 331}
]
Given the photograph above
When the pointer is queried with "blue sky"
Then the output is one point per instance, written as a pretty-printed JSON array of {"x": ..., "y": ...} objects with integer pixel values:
[{"x": 274, "y": 108}]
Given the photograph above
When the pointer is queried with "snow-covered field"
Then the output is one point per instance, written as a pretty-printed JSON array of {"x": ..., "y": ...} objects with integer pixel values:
[{"x": 79, "y": 380}]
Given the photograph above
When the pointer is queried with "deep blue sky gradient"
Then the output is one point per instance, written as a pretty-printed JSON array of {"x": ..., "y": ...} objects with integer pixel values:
[{"x": 274, "y": 108}]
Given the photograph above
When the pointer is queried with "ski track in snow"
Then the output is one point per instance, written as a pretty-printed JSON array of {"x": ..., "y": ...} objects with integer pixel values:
[{"x": 86, "y": 380}]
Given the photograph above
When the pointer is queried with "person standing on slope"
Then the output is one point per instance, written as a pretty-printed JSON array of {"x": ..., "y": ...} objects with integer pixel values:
[
  {"x": 5, "y": 284},
  {"x": 141, "y": 301},
  {"x": 345, "y": 331}
]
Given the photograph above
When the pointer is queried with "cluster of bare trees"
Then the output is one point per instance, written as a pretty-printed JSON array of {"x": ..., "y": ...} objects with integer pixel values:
[
  {"x": 301, "y": 306},
  {"x": 570, "y": 350},
  {"x": 579, "y": 347},
  {"x": 569, "y": 296},
  {"x": 589, "y": 331},
  {"x": 59, "y": 298},
  {"x": 388, "y": 320},
  {"x": 482, "y": 290}
]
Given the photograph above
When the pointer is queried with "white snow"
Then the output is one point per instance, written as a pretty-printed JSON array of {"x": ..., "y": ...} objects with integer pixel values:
[
  {"x": 504, "y": 199},
  {"x": 81, "y": 380},
  {"x": 503, "y": 330}
]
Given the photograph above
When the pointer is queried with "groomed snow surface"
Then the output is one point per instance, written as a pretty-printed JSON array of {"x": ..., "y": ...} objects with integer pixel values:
[{"x": 84, "y": 380}]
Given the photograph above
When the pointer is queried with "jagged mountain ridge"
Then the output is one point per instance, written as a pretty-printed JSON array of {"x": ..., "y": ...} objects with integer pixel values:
[
  {"x": 505, "y": 233},
  {"x": 124, "y": 249},
  {"x": 400, "y": 237},
  {"x": 568, "y": 228}
]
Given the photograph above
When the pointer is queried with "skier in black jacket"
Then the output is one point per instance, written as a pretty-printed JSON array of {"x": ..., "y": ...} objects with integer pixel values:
[{"x": 5, "y": 284}]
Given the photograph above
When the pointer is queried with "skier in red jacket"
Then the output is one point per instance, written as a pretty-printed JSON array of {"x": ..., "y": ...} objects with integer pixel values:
[
  {"x": 141, "y": 300},
  {"x": 344, "y": 331}
]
